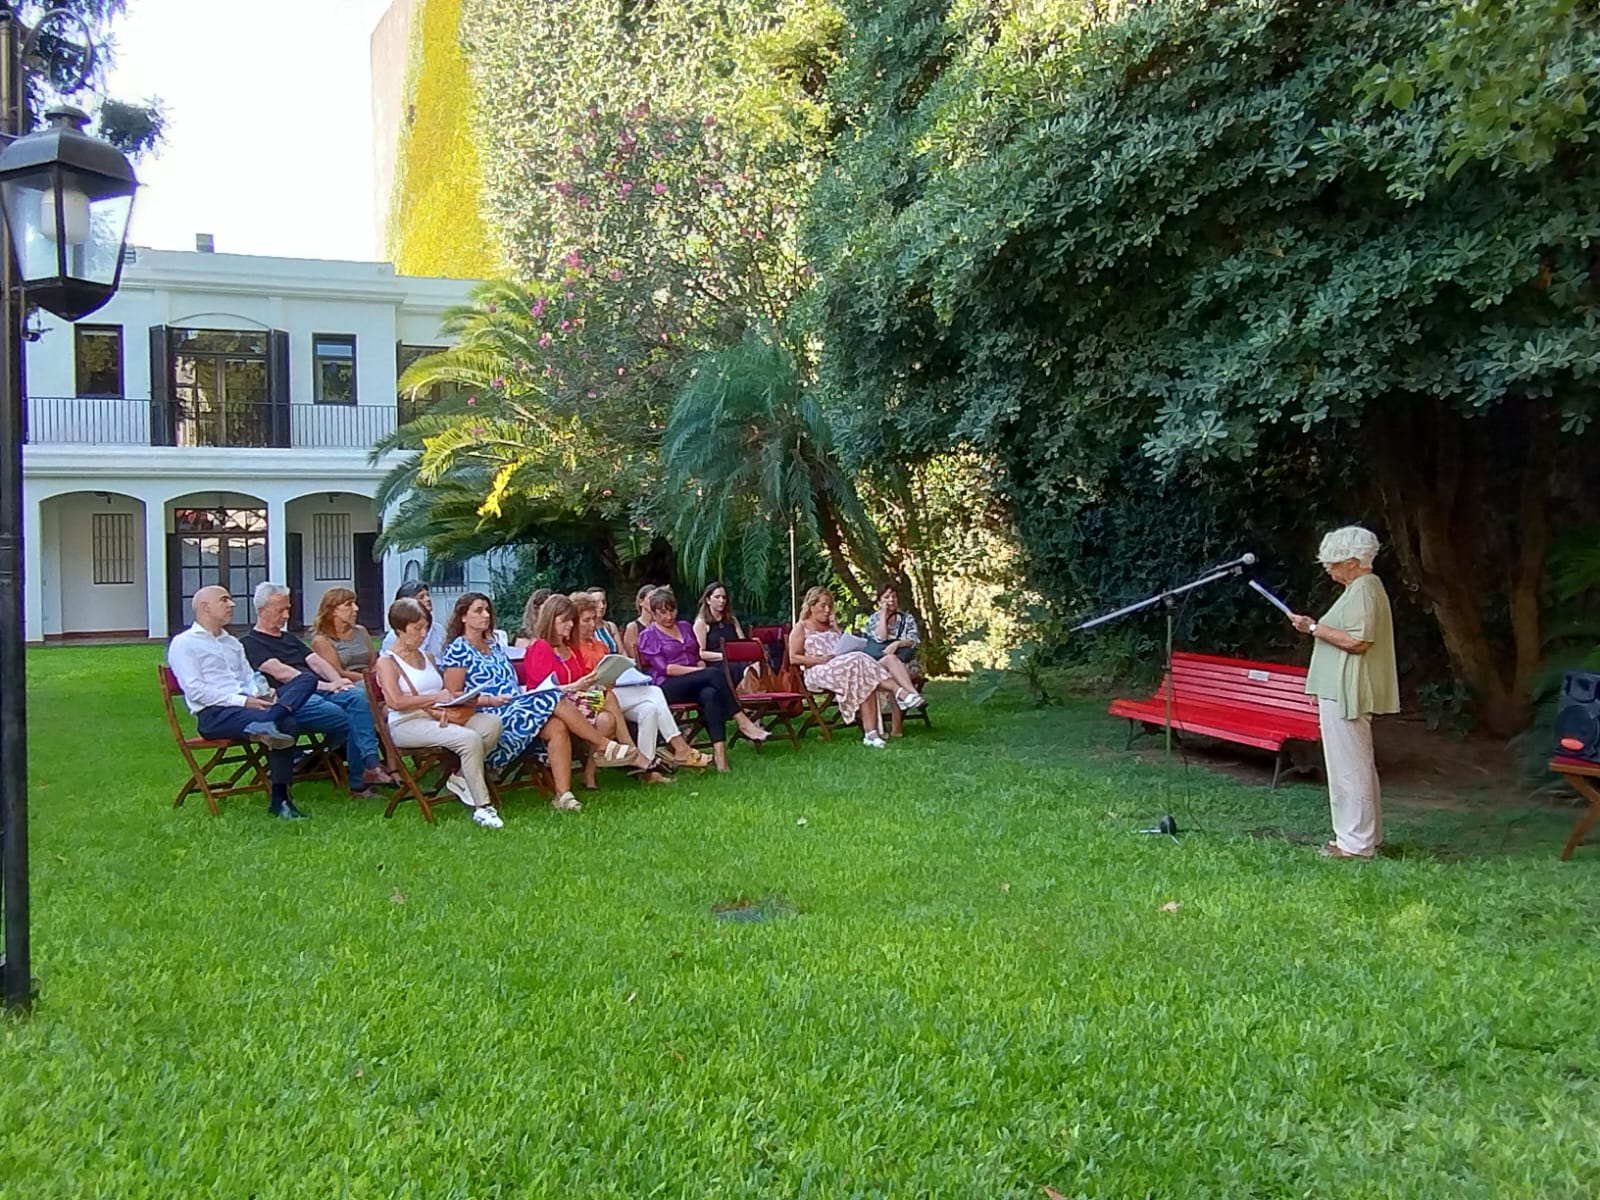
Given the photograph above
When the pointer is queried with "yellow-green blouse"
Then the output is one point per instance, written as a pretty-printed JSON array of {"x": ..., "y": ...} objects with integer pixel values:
[{"x": 1361, "y": 683}]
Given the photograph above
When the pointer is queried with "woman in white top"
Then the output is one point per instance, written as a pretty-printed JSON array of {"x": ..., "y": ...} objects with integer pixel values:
[{"x": 411, "y": 682}]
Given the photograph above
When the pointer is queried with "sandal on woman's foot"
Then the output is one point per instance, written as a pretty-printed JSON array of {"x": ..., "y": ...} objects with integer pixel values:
[
  {"x": 908, "y": 700},
  {"x": 566, "y": 802},
  {"x": 617, "y": 754},
  {"x": 664, "y": 762},
  {"x": 874, "y": 741},
  {"x": 1334, "y": 850},
  {"x": 697, "y": 760}
]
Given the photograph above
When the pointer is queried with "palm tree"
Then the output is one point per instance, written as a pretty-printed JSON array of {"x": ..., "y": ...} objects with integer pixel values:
[
  {"x": 747, "y": 449},
  {"x": 546, "y": 436}
]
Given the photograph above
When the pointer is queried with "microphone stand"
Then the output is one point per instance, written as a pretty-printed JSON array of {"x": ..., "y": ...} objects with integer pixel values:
[{"x": 1168, "y": 600}]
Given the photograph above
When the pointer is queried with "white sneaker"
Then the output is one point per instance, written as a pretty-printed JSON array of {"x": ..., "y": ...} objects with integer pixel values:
[
  {"x": 566, "y": 802},
  {"x": 875, "y": 740},
  {"x": 457, "y": 787},
  {"x": 486, "y": 816}
]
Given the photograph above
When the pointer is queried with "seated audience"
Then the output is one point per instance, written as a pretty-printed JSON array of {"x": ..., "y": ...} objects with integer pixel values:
[
  {"x": 853, "y": 678},
  {"x": 337, "y": 639},
  {"x": 715, "y": 623},
  {"x": 529, "y": 721},
  {"x": 221, "y": 691},
  {"x": 643, "y": 704},
  {"x": 631, "y": 631},
  {"x": 412, "y": 688},
  {"x": 605, "y": 630},
  {"x": 338, "y": 708},
  {"x": 415, "y": 589},
  {"x": 671, "y": 654},
  {"x": 554, "y": 654}
]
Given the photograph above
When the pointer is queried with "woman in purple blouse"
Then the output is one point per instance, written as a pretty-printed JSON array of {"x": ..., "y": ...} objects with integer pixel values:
[{"x": 669, "y": 650}]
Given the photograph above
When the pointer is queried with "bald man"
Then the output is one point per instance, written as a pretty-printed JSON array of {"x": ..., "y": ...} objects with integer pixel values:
[{"x": 220, "y": 689}]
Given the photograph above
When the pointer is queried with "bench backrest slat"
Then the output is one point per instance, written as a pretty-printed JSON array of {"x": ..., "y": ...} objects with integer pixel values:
[{"x": 1240, "y": 683}]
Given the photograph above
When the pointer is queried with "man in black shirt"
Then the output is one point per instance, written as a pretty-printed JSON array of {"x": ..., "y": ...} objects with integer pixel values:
[{"x": 338, "y": 709}]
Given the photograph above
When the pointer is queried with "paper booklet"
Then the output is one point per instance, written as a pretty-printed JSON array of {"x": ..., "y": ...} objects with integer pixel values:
[
  {"x": 464, "y": 698},
  {"x": 1273, "y": 600},
  {"x": 547, "y": 684},
  {"x": 633, "y": 677},
  {"x": 612, "y": 668},
  {"x": 849, "y": 643}
]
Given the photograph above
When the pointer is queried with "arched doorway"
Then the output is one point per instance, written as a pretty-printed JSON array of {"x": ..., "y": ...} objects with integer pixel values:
[
  {"x": 331, "y": 540},
  {"x": 215, "y": 538},
  {"x": 92, "y": 565}
]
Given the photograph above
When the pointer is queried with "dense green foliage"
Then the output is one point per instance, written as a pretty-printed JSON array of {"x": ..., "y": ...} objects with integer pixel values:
[
  {"x": 977, "y": 990},
  {"x": 1204, "y": 238},
  {"x": 1138, "y": 284},
  {"x": 435, "y": 225}
]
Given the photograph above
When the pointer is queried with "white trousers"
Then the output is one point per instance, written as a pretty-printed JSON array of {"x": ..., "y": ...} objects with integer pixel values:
[
  {"x": 1352, "y": 780},
  {"x": 646, "y": 706},
  {"x": 469, "y": 743}
]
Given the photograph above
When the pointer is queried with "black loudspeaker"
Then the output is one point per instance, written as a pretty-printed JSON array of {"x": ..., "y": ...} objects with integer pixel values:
[{"x": 1578, "y": 716}]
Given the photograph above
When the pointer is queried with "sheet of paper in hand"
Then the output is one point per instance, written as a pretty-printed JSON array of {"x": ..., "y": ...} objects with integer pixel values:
[
  {"x": 633, "y": 677},
  {"x": 465, "y": 698},
  {"x": 547, "y": 684},
  {"x": 612, "y": 667},
  {"x": 849, "y": 643}
]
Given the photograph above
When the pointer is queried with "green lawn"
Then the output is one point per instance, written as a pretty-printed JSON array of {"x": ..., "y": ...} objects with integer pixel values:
[{"x": 969, "y": 985}]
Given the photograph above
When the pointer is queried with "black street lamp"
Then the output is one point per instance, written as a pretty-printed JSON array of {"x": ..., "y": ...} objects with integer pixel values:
[{"x": 66, "y": 199}]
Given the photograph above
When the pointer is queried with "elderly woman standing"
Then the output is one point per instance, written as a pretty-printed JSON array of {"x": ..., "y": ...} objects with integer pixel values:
[{"x": 1353, "y": 677}]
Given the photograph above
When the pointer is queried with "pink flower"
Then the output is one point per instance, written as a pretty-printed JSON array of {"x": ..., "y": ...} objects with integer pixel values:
[
  {"x": 659, "y": 188},
  {"x": 498, "y": 383},
  {"x": 536, "y": 309},
  {"x": 564, "y": 326},
  {"x": 471, "y": 400},
  {"x": 593, "y": 110},
  {"x": 709, "y": 122},
  {"x": 624, "y": 189},
  {"x": 563, "y": 187},
  {"x": 605, "y": 491},
  {"x": 569, "y": 295},
  {"x": 491, "y": 307},
  {"x": 573, "y": 259},
  {"x": 583, "y": 202},
  {"x": 591, "y": 395},
  {"x": 478, "y": 430},
  {"x": 614, "y": 274},
  {"x": 544, "y": 340}
]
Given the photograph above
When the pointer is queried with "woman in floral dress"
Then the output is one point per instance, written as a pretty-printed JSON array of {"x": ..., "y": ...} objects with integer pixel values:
[
  {"x": 854, "y": 678},
  {"x": 529, "y": 721}
]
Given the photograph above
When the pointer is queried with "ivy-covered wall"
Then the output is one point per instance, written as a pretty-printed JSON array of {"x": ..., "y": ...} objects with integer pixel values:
[{"x": 435, "y": 224}]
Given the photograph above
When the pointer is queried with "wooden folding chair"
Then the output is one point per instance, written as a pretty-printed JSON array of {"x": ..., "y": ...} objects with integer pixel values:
[
  {"x": 525, "y": 772},
  {"x": 412, "y": 765},
  {"x": 824, "y": 715},
  {"x": 236, "y": 766},
  {"x": 1578, "y": 772},
  {"x": 770, "y": 705}
]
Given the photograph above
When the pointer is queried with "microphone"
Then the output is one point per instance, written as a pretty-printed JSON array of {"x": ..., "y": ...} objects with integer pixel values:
[{"x": 1244, "y": 560}]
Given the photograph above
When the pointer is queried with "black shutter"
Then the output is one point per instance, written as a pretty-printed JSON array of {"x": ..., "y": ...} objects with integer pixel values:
[
  {"x": 278, "y": 386},
  {"x": 163, "y": 427}
]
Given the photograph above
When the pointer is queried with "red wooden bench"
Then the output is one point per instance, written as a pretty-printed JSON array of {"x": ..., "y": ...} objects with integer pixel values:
[{"x": 1231, "y": 699}]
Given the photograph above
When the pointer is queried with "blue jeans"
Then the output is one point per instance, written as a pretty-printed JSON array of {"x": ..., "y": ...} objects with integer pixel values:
[
  {"x": 226, "y": 721},
  {"x": 343, "y": 715}
]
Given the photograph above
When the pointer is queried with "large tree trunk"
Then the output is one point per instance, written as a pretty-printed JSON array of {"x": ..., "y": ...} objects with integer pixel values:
[
  {"x": 833, "y": 539},
  {"x": 1435, "y": 475}
]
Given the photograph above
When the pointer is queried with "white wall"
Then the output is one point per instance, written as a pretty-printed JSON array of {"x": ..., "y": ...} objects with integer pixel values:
[
  {"x": 362, "y": 520},
  {"x": 78, "y": 603}
]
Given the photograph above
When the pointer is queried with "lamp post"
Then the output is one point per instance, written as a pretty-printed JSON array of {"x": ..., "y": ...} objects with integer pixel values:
[{"x": 67, "y": 198}]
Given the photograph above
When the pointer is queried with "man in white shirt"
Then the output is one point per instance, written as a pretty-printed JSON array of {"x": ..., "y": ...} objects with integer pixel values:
[{"x": 220, "y": 690}]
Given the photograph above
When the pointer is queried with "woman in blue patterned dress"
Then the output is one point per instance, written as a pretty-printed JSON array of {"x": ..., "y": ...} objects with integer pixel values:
[{"x": 543, "y": 722}]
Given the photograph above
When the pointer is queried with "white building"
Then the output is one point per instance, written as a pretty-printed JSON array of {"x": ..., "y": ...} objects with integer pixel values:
[{"x": 212, "y": 425}]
